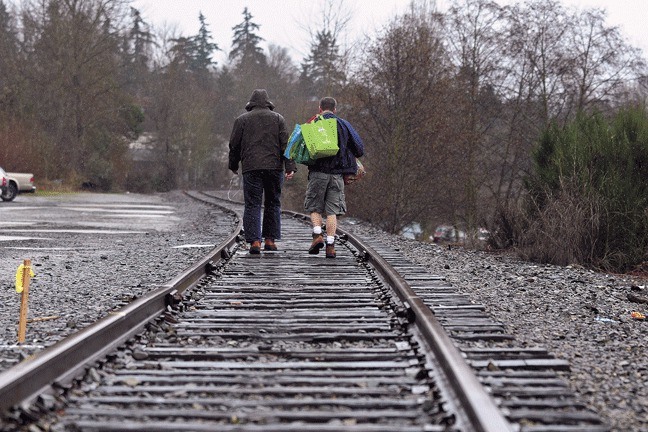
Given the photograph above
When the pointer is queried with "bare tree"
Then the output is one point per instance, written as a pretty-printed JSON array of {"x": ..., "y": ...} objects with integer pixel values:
[
  {"x": 283, "y": 76},
  {"x": 557, "y": 63},
  {"x": 539, "y": 55},
  {"x": 398, "y": 99},
  {"x": 475, "y": 35},
  {"x": 72, "y": 50},
  {"x": 600, "y": 64}
]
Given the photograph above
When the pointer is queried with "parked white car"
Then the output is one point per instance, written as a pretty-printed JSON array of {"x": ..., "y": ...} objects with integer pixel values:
[{"x": 16, "y": 183}]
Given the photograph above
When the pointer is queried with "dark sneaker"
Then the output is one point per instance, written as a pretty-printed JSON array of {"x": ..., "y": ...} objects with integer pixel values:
[
  {"x": 330, "y": 251},
  {"x": 318, "y": 243},
  {"x": 255, "y": 247},
  {"x": 269, "y": 245}
]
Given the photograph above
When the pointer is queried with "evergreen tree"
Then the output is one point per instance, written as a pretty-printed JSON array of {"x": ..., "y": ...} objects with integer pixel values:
[
  {"x": 8, "y": 57},
  {"x": 246, "y": 51},
  {"x": 203, "y": 47},
  {"x": 589, "y": 192},
  {"x": 137, "y": 46},
  {"x": 182, "y": 53},
  {"x": 142, "y": 40},
  {"x": 194, "y": 53},
  {"x": 322, "y": 73}
]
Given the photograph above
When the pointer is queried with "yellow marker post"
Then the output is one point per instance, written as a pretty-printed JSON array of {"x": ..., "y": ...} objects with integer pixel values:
[{"x": 23, "y": 276}]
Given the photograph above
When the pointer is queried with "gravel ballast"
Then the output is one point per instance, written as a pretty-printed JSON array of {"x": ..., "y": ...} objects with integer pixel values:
[{"x": 577, "y": 314}]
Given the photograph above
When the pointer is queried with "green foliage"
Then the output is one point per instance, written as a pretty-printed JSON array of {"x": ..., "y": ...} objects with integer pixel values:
[
  {"x": 602, "y": 166},
  {"x": 133, "y": 116},
  {"x": 99, "y": 173}
]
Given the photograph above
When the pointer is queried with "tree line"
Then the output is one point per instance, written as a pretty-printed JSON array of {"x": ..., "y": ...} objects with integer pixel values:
[{"x": 451, "y": 105}]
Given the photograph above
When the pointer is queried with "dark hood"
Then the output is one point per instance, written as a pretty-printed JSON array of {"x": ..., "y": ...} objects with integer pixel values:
[{"x": 259, "y": 98}]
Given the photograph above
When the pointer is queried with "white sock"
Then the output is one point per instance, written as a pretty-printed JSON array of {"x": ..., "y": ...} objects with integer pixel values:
[
  {"x": 317, "y": 230},
  {"x": 330, "y": 239}
]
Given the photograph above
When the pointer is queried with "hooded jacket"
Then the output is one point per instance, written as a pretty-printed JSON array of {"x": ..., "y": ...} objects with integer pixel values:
[{"x": 259, "y": 137}]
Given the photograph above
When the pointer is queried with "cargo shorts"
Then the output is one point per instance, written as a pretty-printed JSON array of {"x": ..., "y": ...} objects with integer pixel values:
[{"x": 325, "y": 194}]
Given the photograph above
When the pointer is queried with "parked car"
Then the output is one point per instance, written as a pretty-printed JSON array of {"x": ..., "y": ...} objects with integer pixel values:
[
  {"x": 17, "y": 183},
  {"x": 412, "y": 231},
  {"x": 483, "y": 234},
  {"x": 4, "y": 182},
  {"x": 448, "y": 233}
]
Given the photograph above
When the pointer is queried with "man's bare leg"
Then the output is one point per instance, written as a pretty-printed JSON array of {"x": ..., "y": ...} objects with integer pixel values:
[
  {"x": 318, "y": 238},
  {"x": 331, "y": 227}
]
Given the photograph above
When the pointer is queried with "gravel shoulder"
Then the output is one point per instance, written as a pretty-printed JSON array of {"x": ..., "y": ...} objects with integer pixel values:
[{"x": 577, "y": 314}]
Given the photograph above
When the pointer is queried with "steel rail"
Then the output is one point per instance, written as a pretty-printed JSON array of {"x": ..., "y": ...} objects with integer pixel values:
[{"x": 65, "y": 359}]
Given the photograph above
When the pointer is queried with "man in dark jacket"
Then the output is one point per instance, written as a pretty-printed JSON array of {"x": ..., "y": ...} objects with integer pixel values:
[
  {"x": 258, "y": 142},
  {"x": 325, "y": 191}
]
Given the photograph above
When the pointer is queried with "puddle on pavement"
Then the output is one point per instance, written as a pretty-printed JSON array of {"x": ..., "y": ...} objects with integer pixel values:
[
  {"x": 23, "y": 208},
  {"x": 133, "y": 206},
  {"x": 188, "y": 246},
  {"x": 120, "y": 210},
  {"x": 78, "y": 231},
  {"x": 150, "y": 216},
  {"x": 47, "y": 248},
  {"x": 16, "y": 238}
]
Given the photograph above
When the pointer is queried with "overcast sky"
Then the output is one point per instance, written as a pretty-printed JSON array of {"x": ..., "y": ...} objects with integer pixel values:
[{"x": 283, "y": 22}]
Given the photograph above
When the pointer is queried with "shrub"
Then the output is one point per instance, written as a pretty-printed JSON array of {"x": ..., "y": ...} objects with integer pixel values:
[{"x": 588, "y": 197}]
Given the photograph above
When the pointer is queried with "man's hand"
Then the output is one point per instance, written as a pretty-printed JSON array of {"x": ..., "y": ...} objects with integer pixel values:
[{"x": 289, "y": 175}]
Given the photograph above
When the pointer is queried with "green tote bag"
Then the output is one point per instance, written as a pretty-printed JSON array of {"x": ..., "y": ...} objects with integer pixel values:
[
  {"x": 321, "y": 137},
  {"x": 300, "y": 154}
]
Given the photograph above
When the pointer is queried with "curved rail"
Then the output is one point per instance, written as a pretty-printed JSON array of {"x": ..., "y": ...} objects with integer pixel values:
[{"x": 63, "y": 360}]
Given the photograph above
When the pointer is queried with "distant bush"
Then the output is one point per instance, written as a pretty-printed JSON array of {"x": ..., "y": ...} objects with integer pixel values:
[
  {"x": 99, "y": 173},
  {"x": 588, "y": 197}
]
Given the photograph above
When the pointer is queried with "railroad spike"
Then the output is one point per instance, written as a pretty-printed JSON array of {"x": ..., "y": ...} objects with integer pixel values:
[{"x": 172, "y": 298}]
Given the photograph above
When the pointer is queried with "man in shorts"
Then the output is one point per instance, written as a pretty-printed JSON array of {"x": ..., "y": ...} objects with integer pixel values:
[{"x": 325, "y": 191}]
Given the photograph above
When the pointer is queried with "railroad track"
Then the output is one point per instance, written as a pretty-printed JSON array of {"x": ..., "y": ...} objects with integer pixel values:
[{"x": 288, "y": 341}]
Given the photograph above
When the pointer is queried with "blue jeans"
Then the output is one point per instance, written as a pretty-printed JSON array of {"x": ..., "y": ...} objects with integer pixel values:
[{"x": 256, "y": 184}]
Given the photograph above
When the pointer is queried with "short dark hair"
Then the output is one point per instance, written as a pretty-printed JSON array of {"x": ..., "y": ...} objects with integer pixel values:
[{"x": 327, "y": 103}]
